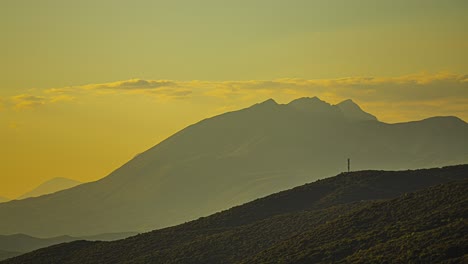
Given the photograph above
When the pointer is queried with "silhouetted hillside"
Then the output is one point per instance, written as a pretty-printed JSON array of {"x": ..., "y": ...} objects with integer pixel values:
[
  {"x": 8, "y": 254},
  {"x": 428, "y": 226},
  {"x": 353, "y": 216},
  {"x": 3, "y": 199},
  {"x": 234, "y": 158},
  {"x": 24, "y": 243}
]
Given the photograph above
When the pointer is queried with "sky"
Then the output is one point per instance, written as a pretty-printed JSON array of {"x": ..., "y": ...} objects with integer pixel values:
[{"x": 86, "y": 85}]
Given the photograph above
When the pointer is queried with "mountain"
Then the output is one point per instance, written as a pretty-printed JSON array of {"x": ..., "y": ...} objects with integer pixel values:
[
  {"x": 24, "y": 243},
  {"x": 352, "y": 111},
  {"x": 423, "y": 227},
  {"x": 8, "y": 254},
  {"x": 107, "y": 236},
  {"x": 234, "y": 158},
  {"x": 3, "y": 199},
  {"x": 51, "y": 186},
  {"x": 359, "y": 217}
]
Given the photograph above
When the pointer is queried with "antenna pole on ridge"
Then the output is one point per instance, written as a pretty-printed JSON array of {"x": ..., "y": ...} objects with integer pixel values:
[{"x": 349, "y": 165}]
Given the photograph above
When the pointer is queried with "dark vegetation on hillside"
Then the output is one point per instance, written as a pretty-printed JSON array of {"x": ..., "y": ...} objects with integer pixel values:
[
  {"x": 428, "y": 226},
  {"x": 18, "y": 244},
  {"x": 8, "y": 254},
  {"x": 353, "y": 217}
]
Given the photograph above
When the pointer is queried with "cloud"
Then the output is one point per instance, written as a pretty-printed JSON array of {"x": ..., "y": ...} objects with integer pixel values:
[
  {"x": 446, "y": 91},
  {"x": 162, "y": 89},
  {"x": 14, "y": 125},
  {"x": 163, "y": 93},
  {"x": 24, "y": 101},
  {"x": 63, "y": 90},
  {"x": 133, "y": 84},
  {"x": 28, "y": 101},
  {"x": 405, "y": 88},
  {"x": 61, "y": 98},
  {"x": 411, "y": 88}
]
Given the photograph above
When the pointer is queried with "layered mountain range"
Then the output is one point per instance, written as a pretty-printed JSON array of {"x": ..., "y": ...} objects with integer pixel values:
[{"x": 233, "y": 158}]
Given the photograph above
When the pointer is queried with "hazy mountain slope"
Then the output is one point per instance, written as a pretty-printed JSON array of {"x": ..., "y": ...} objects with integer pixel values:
[
  {"x": 3, "y": 199},
  {"x": 247, "y": 230},
  {"x": 8, "y": 254},
  {"x": 24, "y": 243},
  {"x": 50, "y": 186},
  {"x": 234, "y": 158},
  {"x": 352, "y": 111}
]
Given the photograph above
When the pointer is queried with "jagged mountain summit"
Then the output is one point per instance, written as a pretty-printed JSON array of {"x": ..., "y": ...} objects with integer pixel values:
[
  {"x": 50, "y": 186},
  {"x": 352, "y": 111},
  {"x": 233, "y": 158},
  {"x": 346, "y": 109}
]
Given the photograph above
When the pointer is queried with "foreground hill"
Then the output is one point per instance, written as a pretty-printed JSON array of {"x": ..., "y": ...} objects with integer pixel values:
[
  {"x": 19, "y": 243},
  {"x": 429, "y": 226},
  {"x": 234, "y": 158},
  {"x": 50, "y": 186},
  {"x": 350, "y": 217},
  {"x": 8, "y": 254}
]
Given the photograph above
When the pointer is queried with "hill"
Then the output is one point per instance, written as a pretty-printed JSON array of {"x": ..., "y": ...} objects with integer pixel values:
[
  {"x": 429, "y": 226},
  {"x": 14, "y": 245},
  {"x": 3, "y": 199},
  {"x": 50, "y": 186},
  {"x": 234, "y": 158},
  {"x": 368, "y": 216},
  {"x": 8, "y": 254},
  {"x": 24, "y": 243}
]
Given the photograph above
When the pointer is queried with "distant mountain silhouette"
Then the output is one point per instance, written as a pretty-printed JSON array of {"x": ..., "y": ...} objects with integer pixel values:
[
  {"x": 352, "y": 111},
  {"x": 359, "y": 217},
  {"x": 233, "y": 158},
  {"x": 3, "y": 199},
  {"x": 50, "y": 186},
  {"x": 19, "y": 243}
]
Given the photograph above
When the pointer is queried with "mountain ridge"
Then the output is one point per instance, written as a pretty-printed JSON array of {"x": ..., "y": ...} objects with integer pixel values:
[
  {"x": 25, "y": 243},
  {"x": 228, "y": 160}
]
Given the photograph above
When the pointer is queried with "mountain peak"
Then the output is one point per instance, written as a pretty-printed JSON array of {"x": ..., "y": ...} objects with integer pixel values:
[
  {"x": 445, "y": 118},
  {"x": 269, "y": 102},
  {"x": 353, "y": 111},
  {"x": 51, "y": 186},
  {"x": 266, "y": 105},
  {"x": 307, "y": 100},
  {"x": 312, "y": 105},
  {"x": 347, "y": 108},
  {"x": 347, "y": 102}
]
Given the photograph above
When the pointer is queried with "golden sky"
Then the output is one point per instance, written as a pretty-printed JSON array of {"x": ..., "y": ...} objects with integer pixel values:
[{"x": 86, "y": 85}]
